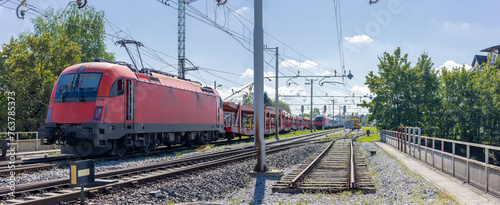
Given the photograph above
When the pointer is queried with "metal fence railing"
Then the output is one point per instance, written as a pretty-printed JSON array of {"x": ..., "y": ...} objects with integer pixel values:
[
  {"x": 475, "y": 164},
  {"x": 21, "y": 136}
]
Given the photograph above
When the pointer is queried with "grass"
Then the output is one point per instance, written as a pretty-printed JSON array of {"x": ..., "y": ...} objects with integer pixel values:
[
  {"x": 335, "y": 135},
  {"x": 372, "y": 137},
  {"x": 296, "y": 133},
  {"x": 372, "y": 129}
]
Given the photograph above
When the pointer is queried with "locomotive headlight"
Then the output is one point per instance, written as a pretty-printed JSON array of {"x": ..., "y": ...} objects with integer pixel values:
[{"x": 97, "y": 113}]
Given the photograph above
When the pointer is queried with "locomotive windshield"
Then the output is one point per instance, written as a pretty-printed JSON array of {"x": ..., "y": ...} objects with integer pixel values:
[
  {"x": 78, "y": 85},
  {"x": 319, "y": 119}
]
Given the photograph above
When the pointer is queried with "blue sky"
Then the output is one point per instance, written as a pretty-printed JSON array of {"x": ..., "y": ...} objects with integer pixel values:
[{"x": 450, "y": 32}]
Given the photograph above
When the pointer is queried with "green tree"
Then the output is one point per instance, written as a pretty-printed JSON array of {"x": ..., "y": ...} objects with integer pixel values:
[
  {"x": 282, "y": 105},
  {"x": 267, "y": 100},
  {"x": 316, "y": 112},
  {"x": 461, "y": 116},
  {"x": 84, "y": 26},
  {"x": 488, "y": 88},
  {"x": 390, "y": 107},
  {"x": 247, "y": 99},
  {"x": 30, "y": 67},
  {"x": 427, "y": 100}
]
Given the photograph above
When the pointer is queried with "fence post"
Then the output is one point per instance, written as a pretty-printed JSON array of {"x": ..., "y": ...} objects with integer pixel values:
[
  {"x": 419, "y": 149},
  {"x": 442, "y": 155},
  {"x": 36, "y": 141},
  {"x": 433, "y": 148},
  {"x": 453, "y": 159},
  {"x": 407, "y": 129},
  {"x": 486, "y": 161},
  {"x": 426, "y": 149},
  {"x": 419, "y": 141},
  {"x": 468, "y": 157}
]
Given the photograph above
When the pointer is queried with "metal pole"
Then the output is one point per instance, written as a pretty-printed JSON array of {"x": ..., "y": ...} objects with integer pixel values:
[
  {"x": 258, "y": 61},
  {"x": 215, "y": 85},
  {"x": 181, "y": 37},
  {"x": 311, "y": 105},
  {"x": 83, "y": 194},
  {"x": 276, "y": 117}
]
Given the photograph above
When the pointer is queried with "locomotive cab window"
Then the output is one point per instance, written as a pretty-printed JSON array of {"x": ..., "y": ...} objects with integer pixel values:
[{"x": 78, "y": 85}]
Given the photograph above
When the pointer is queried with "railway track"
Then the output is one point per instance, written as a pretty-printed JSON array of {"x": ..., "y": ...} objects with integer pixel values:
[
  {"x": 339, "y": 167},
  {"x": 55, "y": 191},
  {"x": 34, "y": 165}
]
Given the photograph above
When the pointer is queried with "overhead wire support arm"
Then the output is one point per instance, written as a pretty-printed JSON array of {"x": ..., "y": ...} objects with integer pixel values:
[{"x": 350, "y": 76}]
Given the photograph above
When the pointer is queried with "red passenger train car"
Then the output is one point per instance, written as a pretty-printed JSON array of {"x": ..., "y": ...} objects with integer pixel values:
[{"x": 107, "y": 107}]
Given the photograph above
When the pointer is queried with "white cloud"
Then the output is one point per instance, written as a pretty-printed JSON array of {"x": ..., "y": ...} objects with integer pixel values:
[
  {"x": 359, "y": 39},
  {"x": 269, "y": 74},
  {"x": 363, "y": 90},
  {"x": 291, "y": 90},
  {"x": 249, "y": 74},
  {"x": 305, "y": 64},
  {"x": 242, "y": 10},
  {"x": 449, "y": 65}
]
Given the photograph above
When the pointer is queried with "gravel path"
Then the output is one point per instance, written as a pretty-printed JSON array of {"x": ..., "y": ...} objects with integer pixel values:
[{"x": 232, "y": 185}]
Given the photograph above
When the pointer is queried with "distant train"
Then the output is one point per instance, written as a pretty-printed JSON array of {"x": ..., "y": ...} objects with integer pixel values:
[
  {"x": 322, "y": 122},
  {"x": 105, "y": 107},
  {"x": 356, "y": 121},
  {"x": 239, "y": 121}
]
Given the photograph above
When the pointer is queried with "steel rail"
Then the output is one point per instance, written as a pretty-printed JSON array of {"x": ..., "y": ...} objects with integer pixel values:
[
  {"x": 310, "y": 167},
  {"x": 353, "y": 169},
  {"x": 162, "y": 165},
  {"x": 161, "y": 175}
]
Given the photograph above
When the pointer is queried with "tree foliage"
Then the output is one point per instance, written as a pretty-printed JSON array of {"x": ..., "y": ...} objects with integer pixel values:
[
  {"x": 30, "y": 67},
  {"x": 248, "y": 101},
  {"x": 454, "y": 104},
  {"x": 84, "y": 26},
  {"x": 31, "y": 63}
]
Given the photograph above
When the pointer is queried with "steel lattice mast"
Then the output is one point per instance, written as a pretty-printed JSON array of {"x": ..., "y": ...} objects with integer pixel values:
[{"x": 181, "y": 38}]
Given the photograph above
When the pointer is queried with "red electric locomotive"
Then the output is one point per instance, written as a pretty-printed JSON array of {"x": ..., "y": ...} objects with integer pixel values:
[{"x": 109, "y": 108}]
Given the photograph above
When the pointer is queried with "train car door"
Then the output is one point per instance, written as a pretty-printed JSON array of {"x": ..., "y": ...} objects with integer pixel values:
[
  {"x": 219, "y": 107},
  {"x": 129, "y": 105}
]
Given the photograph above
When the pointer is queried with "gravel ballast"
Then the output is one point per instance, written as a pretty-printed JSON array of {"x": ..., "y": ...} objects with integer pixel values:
[{"x": 231, "y": 184}]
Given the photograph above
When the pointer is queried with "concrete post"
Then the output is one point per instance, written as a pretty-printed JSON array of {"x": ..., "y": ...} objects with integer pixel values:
[
  {"x": 258, "y": 61},
  {"x": 276, "y": 97},
  {"x": 312, "y": 106}
]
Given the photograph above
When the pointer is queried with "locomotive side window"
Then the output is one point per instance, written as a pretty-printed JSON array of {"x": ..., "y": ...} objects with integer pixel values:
[{"x": 118, "y": 88}]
